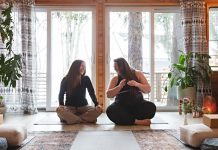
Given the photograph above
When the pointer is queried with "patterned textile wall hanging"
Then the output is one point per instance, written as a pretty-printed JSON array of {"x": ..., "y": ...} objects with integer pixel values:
[
  {"x": 22, "y": 98},
  {"x": 194, "y": 24}
]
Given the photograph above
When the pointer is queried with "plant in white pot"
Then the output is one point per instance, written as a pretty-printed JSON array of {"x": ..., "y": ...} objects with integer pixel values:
[
  {"x": 10, "y": 62},
  {"x": 185, "y": 74}
]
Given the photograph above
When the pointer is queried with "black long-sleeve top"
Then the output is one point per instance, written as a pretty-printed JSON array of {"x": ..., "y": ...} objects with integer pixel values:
[{"x": 78, "y": 98}]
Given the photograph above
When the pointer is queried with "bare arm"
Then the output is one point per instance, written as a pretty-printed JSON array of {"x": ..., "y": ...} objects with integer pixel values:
[
  {"x": 143, "y": 84},
  {"x": 113, "y": 90}
]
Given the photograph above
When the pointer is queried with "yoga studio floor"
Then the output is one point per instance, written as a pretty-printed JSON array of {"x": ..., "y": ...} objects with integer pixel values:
[{"x": 104, "y": 135}]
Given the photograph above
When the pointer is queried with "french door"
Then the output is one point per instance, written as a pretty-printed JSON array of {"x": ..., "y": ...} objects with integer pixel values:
[
  {"x": 66, "y": 34},
  {"x": 160, "y": 45}
]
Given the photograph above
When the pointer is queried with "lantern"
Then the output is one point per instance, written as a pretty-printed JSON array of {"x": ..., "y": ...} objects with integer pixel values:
[{"x": 209, "y": 105}]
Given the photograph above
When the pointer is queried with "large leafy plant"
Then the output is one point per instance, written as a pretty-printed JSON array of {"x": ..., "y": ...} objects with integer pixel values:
[
  {"x": 191, "y": 67},
  {"x": 10, "y": 63}
]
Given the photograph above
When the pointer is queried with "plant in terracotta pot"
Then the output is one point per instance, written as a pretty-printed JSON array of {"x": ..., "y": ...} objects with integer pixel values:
[
  {"x": 2, "y": 105},
  {"x": 1, "y": 102}
]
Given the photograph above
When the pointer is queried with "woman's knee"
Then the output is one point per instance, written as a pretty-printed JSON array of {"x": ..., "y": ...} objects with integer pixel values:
[
  {"x": 113, "y": 112},
  {"x": 153, "y": 106},
  {"x": 152, "y": 109},
  {"x": 117, "y": 115},
  {"x": 110, "y": 111}
]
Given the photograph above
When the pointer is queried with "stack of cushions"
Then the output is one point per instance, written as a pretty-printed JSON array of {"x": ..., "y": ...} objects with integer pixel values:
[
  {"x": 14, "y": 135},
  {"x": 195, "y": 134}
]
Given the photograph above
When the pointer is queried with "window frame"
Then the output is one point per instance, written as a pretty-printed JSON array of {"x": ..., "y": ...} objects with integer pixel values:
[{"x": 208, "y": 7}]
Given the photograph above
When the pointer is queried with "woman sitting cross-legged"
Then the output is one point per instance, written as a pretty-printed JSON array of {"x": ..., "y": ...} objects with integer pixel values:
[
  {"x": 76, "y": 109},
  {"x": 129, "y": 107}
]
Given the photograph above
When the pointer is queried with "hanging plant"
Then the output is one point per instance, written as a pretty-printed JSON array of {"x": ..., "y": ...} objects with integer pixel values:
[{"x": 10, "y": 63}]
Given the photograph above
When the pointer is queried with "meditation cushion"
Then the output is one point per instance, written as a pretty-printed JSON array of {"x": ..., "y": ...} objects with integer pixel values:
[
  {"x": 15, "y": 135},
  {"x": 210, "y": 144},
  {"x": 195, "y": 134},
  {"x": 3, "y": 143}
]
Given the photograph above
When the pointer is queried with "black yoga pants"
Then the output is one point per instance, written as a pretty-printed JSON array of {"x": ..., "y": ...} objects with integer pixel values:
[{"x": 122, "y": 115}]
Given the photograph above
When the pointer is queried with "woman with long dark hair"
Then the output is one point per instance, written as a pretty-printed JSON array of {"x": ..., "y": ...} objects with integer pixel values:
[
  {"x": 127, "y": 87},
  {"x": 76, "y": 108}
]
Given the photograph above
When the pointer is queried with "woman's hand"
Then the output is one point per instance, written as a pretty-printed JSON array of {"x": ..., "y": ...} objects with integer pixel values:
[
  {"x": 99, "y": 108},
  {"x": 132, "y": 83},
  {"x": 122, "y": 83}
]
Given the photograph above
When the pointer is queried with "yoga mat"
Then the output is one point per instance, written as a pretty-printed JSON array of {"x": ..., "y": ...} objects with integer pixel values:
[{"x": 102, "y": 120}]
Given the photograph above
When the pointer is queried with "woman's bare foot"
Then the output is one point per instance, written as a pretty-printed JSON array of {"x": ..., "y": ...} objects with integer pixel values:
[
  {"x": 145, "y": 122},
  {"x": 99, "y": 108}
]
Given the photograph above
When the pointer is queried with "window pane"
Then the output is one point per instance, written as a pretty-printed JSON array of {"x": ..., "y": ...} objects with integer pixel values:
[
  {"x": 41, "y": 51},
  {"x": 213, "y": 37},
  {"x": 119, "y": 22},
  {"x": 119, "y": 38},
  {"x": 168, "y": 35}
]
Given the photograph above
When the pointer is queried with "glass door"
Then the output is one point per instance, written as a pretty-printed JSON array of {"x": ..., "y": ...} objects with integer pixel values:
[
  {"x": 62, "y": 36},
  {"x": 117, "y": 23},
  {"x": 161, "y": 42}
]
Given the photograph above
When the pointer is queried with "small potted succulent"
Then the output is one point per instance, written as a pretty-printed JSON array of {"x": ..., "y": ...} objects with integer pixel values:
[{"x": 2, "y": 105}]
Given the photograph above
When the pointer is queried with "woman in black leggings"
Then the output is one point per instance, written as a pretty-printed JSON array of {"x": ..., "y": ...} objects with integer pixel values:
[{"x": 129, "y": 107}]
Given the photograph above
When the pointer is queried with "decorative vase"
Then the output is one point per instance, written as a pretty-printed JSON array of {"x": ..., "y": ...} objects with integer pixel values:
[
  {"x": 185, "y": 119},
  {"x": 189, "y": 93}
]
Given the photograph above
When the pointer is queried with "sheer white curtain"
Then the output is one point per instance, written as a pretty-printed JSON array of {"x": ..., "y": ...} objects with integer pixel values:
[{"x": 22, "y": 98}]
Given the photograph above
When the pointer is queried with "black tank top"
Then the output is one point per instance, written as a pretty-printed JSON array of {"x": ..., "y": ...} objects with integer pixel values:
[{"x": 128, "y": 93}]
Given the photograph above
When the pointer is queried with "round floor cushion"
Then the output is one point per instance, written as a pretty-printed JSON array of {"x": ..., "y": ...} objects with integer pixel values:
[
  {"x": 210, "y": 144},
  {"x": 3, "y": 143}
]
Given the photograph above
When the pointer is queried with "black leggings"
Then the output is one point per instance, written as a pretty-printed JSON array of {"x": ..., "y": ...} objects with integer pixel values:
[{"x": 125, "y": 115}]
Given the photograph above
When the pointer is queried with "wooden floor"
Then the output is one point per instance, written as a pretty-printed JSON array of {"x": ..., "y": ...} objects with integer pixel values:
[
  {"x": 173, "y": 120},
  {"x": 111, "y": 136}
]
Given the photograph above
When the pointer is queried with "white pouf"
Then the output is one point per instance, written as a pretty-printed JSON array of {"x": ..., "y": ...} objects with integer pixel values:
[
  {"x": 194, "y": 134},
  {"x": 15, "y": 135}
]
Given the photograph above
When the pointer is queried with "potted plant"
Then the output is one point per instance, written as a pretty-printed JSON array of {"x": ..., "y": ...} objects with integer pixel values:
[
  {"x": 10, "y": 62},
  {"x": 2, "y": 105},
  {"x": 185, "y": 74}
]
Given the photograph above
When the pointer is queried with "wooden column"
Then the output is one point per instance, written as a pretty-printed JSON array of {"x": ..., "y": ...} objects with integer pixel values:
[{"x": 100, "y": 51}]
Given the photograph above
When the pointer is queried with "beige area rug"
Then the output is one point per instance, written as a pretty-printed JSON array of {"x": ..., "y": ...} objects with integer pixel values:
[
  {"x": 49, "y": 140},
  {"x": 65, "y": 140},
  {"x": 102, "y": 120},
  {"x": 159, "y": 140}
]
